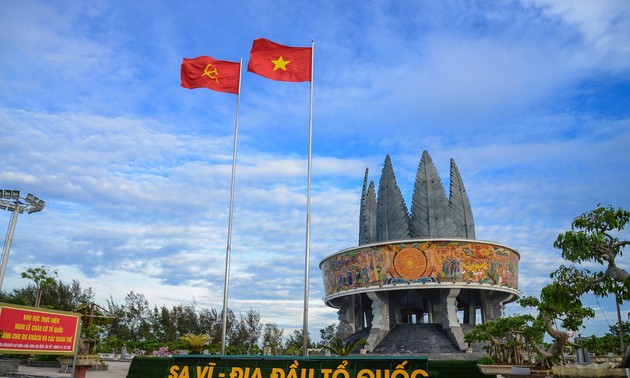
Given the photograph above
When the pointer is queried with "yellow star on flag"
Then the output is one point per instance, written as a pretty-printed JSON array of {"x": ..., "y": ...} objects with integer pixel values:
[{"x": 280, "y": 63}]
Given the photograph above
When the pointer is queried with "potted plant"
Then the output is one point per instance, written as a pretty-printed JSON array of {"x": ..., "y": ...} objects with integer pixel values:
[
  {"x": 340, "y": 347},
  {"x": 488, "y": 366},
  {"x": 505, "y": 343},
  {"x": 196, "y": 341}
]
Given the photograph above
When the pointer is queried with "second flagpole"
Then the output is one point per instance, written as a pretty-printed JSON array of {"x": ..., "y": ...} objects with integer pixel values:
[
  {"x": 228, "y": 250},
  {"x": 307, "y": 257}
]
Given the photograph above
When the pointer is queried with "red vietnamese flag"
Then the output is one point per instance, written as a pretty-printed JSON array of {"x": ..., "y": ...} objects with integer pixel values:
[
  {"x": 279, "y": 62},
  {"x": 207, "y": 72}
]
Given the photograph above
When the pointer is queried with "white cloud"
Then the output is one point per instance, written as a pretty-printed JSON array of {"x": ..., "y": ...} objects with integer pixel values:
[
  {"x": 604, "y": 27},
  {"x": 528, "y": 98}
]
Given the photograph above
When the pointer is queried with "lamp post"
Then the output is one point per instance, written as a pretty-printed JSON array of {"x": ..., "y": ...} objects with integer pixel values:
[{"x": 10, "y": 200}]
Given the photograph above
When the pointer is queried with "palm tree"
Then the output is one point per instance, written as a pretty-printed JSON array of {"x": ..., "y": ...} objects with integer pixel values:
[{"x": 344, "y": 348}]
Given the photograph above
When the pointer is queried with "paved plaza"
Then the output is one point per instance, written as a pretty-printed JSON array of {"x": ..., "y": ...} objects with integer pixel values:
[{"x": 116, "y": 369}]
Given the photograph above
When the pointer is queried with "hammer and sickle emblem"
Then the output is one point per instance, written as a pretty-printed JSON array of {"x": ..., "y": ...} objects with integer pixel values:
[{"x": 211, "y": 73}]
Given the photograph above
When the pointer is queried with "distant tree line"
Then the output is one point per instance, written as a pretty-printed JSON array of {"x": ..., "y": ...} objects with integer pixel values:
[{"x": 141, "y": 328}]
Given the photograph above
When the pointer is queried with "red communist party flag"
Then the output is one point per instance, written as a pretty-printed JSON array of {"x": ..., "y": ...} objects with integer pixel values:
[
  {"x": 207, "y": 72},
  {"x": 280, "y": 62}
]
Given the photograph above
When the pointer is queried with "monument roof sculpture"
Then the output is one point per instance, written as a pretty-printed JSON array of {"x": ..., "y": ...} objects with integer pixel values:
[{"x": 432, "y": 215}]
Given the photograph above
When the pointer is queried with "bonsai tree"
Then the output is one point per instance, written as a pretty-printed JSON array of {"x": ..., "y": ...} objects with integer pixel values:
[
  {"x": 518, "y": 339},
  {"x": 94, "y": 319},
  {"x": 558, "y": 303},
  {"x": 506, "y": 344},
  {"x": 592, "y": 239},
  {"x": 344, "y": 348}
]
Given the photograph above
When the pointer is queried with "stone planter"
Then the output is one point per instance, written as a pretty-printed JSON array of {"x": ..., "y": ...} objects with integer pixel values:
[
  {"x": 82, "y": 360},
  {"x": 512, "y": 371},
  {"x": 51, "y": 364},
  {"x": 541, "y": 372},
  {"x": 495, "y": 369},
  {"x": 606, "y": 370}
]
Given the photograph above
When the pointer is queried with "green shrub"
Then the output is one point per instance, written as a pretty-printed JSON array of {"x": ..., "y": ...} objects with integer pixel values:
[
  {"x": 145, "y": 367},
  {"x": 455, "y": 369},
  {"x": 486, "y": 360}
]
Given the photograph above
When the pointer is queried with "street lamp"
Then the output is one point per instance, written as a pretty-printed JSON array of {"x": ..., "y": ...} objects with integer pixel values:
[{"x": 10, "y": 200}]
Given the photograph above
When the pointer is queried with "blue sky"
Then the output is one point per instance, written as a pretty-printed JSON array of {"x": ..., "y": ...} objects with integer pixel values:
[{"x": 529, "y": 97}]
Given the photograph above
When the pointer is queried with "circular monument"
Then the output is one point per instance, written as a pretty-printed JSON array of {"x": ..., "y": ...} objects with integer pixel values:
[{"x": 422, "y": 267}]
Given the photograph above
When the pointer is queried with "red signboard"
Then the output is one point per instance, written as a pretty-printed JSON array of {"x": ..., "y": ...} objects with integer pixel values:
[{"x": 35, "y": 331}]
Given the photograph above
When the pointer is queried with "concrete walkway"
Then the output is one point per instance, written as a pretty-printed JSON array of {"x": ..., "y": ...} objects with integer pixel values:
[{"x": 115, "y": 369}]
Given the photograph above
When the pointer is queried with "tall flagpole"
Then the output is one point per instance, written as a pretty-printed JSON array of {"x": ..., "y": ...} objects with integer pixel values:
[
  {"x": 308, "y": 209},
  {"x": 228, "y": 250}
]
